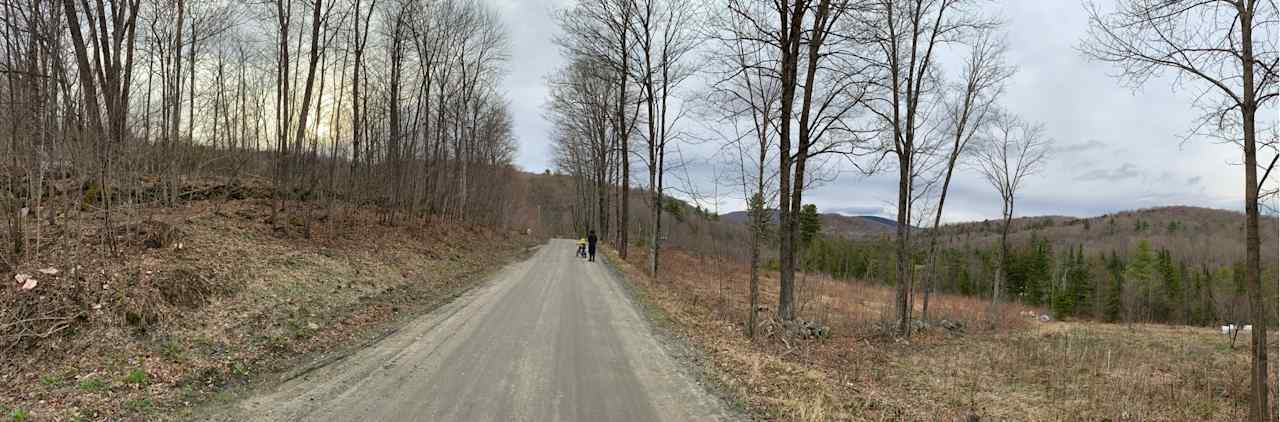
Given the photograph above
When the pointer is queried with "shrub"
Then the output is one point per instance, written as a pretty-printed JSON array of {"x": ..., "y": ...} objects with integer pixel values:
[
  {"x": 92, "y": 384},
  {"x": 136, "y": 376},
  {"x": 19, "y": 415}
]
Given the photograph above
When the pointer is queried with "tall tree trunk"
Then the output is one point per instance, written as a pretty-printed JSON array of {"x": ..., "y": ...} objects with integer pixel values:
[
  {"x": 791, "y": 28},
  {"x": 903, "y": 298},
  {"x": 623, "y": 132},
  {"x": 191, "y": 88},
  {"x": 1259, "y": 409},
  {"x": 998, "y": 282}
]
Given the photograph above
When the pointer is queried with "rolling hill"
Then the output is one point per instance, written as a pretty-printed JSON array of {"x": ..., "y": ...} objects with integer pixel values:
[
  {"x": 843, "y": 226},
  {"x": 1200, "y": 234}
]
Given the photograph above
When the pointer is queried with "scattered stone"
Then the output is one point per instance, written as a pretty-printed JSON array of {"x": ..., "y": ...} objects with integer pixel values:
[
  {"x": 27, "y": 282},
  {"x": 1045, "y": 318},
  {"x": 313, "y": 326},
  {"x": 805, "y": 329},
  {"x": 49, "y": 271},
  {"x": 952, "y": 326}
]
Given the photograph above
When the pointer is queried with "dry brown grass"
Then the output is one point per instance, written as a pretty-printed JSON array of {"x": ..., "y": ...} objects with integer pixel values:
[{"x": 1014, "y": 369}]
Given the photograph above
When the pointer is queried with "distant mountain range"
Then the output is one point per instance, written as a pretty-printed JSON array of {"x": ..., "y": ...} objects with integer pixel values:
[
  {"x": 838, "y": 225},
  {"x": 1212, "y": 234}
]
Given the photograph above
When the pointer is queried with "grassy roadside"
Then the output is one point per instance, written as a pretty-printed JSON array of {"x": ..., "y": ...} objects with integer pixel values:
[
  {"x": 224, "y": 305},
  {"x": 1019, "y": 369}
]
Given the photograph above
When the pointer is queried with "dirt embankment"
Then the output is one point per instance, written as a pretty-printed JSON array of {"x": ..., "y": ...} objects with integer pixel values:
[{"x": 201, "y": 299}]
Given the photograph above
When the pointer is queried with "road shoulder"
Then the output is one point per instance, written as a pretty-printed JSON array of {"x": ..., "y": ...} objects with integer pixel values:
[
  {"x": 226, "y": 406},
  {"x": 691, "y": 360}
]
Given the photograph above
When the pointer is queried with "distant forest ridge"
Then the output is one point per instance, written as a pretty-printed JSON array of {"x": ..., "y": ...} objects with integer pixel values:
[{"x": 871, "y": 225}]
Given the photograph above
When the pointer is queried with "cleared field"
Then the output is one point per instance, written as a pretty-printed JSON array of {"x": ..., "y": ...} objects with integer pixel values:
[{"x": 1004, "y": 366}]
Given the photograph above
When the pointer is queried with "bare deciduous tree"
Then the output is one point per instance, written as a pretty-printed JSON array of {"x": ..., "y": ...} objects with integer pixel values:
[
  {"x": 907, "y": 37},
  {"x": 746, "y": 93},
  {"x": 1012, "y": 150},
  {"x": 807, "y": 49},
  {"x": 106, "y": 71},
  {"x": 967, "y": 113},
  {"x": 665, "y": 33}
]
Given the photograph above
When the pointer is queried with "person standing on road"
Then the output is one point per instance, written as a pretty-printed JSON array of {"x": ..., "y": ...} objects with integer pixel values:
[{"x": 591, "y": 246}]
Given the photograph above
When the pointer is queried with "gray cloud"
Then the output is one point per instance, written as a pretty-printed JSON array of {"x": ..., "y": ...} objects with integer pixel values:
[
  {"x": 1077, "y": 148},
  {"x": 1126, "y": 171}
]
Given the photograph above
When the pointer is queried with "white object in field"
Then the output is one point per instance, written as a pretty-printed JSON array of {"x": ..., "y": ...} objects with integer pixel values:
[
  {"x": 1230, "y": 329},
  {"x": 27, "y": 282}
]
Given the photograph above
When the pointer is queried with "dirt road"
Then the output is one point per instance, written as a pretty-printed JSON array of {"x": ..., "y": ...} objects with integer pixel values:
[{"x": 553, "y": 338}]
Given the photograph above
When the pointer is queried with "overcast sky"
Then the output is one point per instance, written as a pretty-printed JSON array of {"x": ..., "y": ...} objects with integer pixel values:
[{"x": 1115, "y": 148}]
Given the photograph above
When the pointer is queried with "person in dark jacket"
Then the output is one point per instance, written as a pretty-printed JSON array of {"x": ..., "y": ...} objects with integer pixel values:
[{"x": 591, "y": 246}]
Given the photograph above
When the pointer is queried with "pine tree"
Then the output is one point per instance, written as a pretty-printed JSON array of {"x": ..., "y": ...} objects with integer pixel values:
[
  {"x": 1064, "y": 299},
  {"x": 1195, "y": 295},
  {"x": 963, "y": 281},
  {"x": 1141, "y": 275},
  {"x": 1163, "y": 302},
  {"x": 1114, "y": 300},
  {"x": 810, "y": 224},
  {"x": 1178, "y": 294},
  {"x": 1208, "y": 309},
  {"x": 1079, "y": 287},
  {"x": 1040, "y": 272}
]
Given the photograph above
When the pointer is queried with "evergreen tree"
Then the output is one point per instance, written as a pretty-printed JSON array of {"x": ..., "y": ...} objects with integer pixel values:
[
  {"x": 809, "y": 227},
  {"x": 1208, "y": 307},
  {"x": 1079, "y": 287},
  {"x": 1195, "y": 295},
  {"x": 1114, "y": 300},
  {"x": 1162, "y": 301},
  {"x": 1238, "y": 278},
  {"x": 810, "y": 224},
  {"x": 1064, "y": 300},
  {"x": 1140, "y": 274},
  {"x": 964, "y": 284},
  {"x": 1039, "y": 272},
  {"x": 1177, "y": 294}
]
